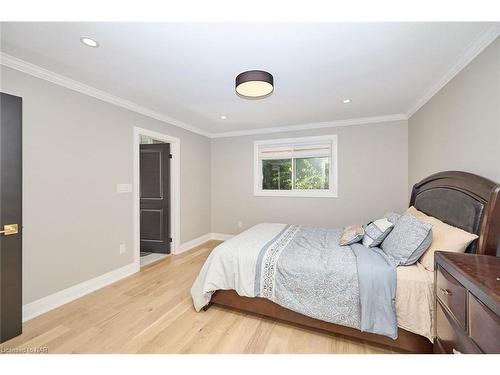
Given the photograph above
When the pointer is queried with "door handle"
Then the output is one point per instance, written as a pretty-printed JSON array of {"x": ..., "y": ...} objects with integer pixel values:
[{"x": 9, "y": 229}]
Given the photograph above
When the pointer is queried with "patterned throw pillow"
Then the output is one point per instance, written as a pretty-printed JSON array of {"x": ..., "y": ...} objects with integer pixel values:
[
  {"x": 408, "y": 241},
  {"x": 351, "y": 234},
  {"x": 392, "y": 217},
  {"x": 376, "y": 232},
  {"x": 444, "y": 237}
]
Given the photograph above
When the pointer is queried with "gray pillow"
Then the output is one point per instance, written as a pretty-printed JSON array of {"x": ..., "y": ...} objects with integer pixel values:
[
  {"x": 407, "y": 241},
  {"x": 392, "y": 217}
]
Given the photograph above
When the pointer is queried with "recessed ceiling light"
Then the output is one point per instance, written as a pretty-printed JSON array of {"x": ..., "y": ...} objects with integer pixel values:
[
  {"x": 254, "y": 84},
  {"x": 346, "y": 101},
  {"x": 223, "y": 117},
  {"x": 89, "y": 42}
]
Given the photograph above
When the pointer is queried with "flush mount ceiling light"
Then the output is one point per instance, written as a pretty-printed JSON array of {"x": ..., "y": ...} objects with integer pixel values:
[
  {"x": 223, "y": 117},
  {"x": 254, "y": 84},
  {"x": 89, "y": 42},
  {"x": 346, "y": 101}
]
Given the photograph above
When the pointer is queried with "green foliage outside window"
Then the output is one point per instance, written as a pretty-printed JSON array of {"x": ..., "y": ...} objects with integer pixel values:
[
  {"x": 277, "y": 174},
  {"x": 310, "y": 174}
]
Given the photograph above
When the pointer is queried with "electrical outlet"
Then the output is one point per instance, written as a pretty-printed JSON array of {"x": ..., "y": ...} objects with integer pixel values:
[
  {"x": 240, "y": 224},
  {"x": 123, "y": 248}
]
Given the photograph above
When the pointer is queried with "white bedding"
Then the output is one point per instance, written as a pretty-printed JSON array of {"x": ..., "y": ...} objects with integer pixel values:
[
  {"x": 231, "y": 265},
  {"x": 415, "y": 299}
]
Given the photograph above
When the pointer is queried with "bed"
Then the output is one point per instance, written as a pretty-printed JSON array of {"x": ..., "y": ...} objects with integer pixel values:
[{"x": 231, "y": 278}]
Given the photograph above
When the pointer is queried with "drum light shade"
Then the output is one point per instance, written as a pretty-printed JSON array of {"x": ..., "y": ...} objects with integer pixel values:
[{"x": 254, "y": 84}]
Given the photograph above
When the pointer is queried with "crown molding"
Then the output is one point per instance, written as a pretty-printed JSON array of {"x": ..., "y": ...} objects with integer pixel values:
[
  {"x": 58, "y": 79},
  {"x": 315, "y": 125},
  {"x": 474, "y": 49},
  {"x": 470, "y": 53}
]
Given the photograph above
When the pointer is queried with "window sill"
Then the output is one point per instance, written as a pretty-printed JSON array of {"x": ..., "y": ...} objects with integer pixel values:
[{"x": 296, "y": 193}]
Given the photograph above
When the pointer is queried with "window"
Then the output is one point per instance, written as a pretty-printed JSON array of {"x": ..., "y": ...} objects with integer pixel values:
[{"x": 301, "y": 167}]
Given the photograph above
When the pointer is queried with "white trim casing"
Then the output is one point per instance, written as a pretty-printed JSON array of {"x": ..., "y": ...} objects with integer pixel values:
[
  {"x": 333, "y": 173},
  {"x": 474, "y": 49},
  {"x": 221, "y": 236},
  {"x": 175, "y": 188},
  {"x": 58, "y": 79},
  {"x": 313, "y": 125},
  {"x": 186, "y": 246},
  {"x": 469, "y": 54},
  {"x": 42, "y": 305}
]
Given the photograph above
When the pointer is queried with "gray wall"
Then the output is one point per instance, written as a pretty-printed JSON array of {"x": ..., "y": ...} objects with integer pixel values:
[
  {"x": 459, "y": 128},
  {"x": 76, "y": 149},
  {"x": 373, "y": 175}
]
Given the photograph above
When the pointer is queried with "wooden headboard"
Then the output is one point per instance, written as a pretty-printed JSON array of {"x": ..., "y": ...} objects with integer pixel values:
[{"x": 466, "y": 201}]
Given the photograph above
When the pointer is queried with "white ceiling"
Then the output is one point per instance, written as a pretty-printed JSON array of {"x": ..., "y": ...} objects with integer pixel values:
[{"x": 187, "y": 71}]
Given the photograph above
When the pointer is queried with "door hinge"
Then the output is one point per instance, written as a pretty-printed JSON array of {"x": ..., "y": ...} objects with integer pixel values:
[
  {"x": 170, "y": 239},
  {"x": 170, "y": 156}
]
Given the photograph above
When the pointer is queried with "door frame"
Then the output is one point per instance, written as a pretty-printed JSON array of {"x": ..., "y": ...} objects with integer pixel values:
[{"x": 175, "y": 188}]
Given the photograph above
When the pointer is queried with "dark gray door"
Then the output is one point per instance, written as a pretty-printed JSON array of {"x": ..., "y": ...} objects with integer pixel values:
[
  {"x": 155, "y": 198},
  {"x": 10, "y": 216}
]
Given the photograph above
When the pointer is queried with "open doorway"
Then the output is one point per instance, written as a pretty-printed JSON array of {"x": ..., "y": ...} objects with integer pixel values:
[
  {"x": 154, "y": 196},
  {"x": 156, "y": 181}
]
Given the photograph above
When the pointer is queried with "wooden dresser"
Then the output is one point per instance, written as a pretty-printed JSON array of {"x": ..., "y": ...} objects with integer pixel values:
[{"x": 467, "y": 314}]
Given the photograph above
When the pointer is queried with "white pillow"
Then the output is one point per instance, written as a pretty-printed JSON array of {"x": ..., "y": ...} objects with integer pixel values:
[{"x": 376, "y": 231}]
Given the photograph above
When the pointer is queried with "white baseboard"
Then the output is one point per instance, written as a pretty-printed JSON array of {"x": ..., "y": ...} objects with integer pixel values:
[
  {"x": 185, "y": 246},
  {"x": 38, "y": 307},
  {"x": 201, "y": 240},
  {"x": 221, "y": 236},
  {"x": 42, "y": 305}
]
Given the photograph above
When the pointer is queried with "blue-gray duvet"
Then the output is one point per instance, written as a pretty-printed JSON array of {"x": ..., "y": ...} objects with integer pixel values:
[{"x": 305, "y": 270}]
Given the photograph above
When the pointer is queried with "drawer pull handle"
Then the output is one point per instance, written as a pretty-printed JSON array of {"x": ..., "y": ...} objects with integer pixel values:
[
  {"x": 446, "y": 291},
  {"x": 455, "y": 351}
]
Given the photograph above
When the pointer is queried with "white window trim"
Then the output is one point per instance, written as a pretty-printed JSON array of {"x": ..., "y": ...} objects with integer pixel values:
[{"x": 333, "y": 173}]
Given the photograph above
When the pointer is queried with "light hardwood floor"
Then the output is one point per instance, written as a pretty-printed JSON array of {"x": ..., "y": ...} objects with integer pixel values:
[{"x": 151, "y": 312}]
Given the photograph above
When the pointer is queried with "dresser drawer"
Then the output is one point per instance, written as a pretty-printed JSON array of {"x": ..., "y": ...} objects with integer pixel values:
[
  {"x": 484, "y": 326},
  {"x": 452, "y": 294},
  {"x": 450, "y": 337}
]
